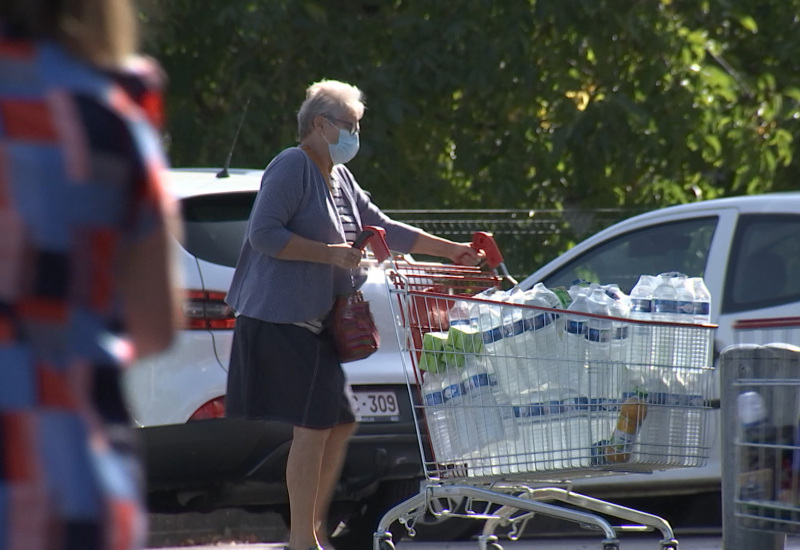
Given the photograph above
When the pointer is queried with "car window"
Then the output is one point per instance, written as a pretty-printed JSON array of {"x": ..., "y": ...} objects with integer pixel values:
[
  {"x": 764, "y": 268},
  {"x": 675, "y": 246},
  {"x": 214, "y": 225}
]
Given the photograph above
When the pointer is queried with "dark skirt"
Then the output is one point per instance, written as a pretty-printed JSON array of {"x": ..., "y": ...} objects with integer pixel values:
[{"x": 287, "y": 373}]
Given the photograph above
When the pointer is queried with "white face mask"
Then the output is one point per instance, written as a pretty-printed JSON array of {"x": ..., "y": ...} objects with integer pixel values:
[{"x": 344, "y": 150}]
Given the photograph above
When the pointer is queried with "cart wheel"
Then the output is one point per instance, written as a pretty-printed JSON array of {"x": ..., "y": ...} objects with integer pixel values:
[
  {"x": 386, "y": 545},
  {"x": 671, "y": 545},
  {"x": 494, "y": 546},
  {"x": 610, "y": 546}
]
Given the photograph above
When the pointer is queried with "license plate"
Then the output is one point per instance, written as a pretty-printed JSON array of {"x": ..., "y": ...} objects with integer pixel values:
[{"x": 376, "y": 406}]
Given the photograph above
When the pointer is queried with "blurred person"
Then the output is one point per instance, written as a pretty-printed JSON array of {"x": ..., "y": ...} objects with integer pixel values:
[
  {"x": 296, "y": 259},
  {"x": 85, "y": 283}
]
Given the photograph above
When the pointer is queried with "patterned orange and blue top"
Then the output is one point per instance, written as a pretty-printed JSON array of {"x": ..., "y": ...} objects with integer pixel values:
[{"x": 80, "y": 176}]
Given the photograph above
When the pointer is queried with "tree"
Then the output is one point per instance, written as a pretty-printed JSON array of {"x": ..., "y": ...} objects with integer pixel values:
[{"x": 539, "y": 104}]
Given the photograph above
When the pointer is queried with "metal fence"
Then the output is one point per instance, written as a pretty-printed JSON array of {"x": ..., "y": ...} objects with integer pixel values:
[{"x": 527, "y": 238}]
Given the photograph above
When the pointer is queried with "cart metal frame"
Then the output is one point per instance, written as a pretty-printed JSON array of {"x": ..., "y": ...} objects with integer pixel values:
[
  {"x": 509, "y": 489},
  {"x": 761, "y": 361}
]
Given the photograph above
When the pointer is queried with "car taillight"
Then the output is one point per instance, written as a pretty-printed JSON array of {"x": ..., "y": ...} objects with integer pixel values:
[
  {"x": 207, "y": 310},
  {"x": 213, "y": 409}
]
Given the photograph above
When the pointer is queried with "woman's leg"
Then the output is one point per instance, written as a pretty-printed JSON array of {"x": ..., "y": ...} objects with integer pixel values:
[
  {"x": 304, "y": 473},
  {"x": 332, "y": 462}
]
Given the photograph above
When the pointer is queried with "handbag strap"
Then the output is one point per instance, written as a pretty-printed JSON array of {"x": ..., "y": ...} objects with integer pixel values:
[{"x": 352, "y": 280}]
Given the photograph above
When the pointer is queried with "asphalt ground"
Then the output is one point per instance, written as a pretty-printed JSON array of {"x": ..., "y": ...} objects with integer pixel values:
[
  {"x": 696, "y": 515},
  {"x": 636, "y": 543},
  {"x": 240, "y": 530},
  {"x": 695, "y": 520}
]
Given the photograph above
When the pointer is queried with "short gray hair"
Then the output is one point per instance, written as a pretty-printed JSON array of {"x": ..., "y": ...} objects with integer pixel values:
[{"x": 328, "y": 97}]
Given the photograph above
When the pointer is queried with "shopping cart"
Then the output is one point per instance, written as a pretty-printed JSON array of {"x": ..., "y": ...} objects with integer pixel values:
[
  {"x": 761, "y": 402},
  {"x": 510, "y": 408}
]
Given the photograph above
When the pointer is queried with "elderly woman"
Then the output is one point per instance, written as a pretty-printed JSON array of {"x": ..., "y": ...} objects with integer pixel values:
[{"x": 296, "y": 258}]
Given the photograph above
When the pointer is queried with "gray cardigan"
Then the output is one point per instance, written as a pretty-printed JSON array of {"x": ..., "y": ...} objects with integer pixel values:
[{"x": 294, "y": 199}]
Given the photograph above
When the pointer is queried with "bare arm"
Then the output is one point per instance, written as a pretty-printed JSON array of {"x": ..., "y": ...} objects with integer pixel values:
[
  {"x": 459, "y": 253},
  {"x": 149, "y": 294},
  {"x": 302, "y": 249}
]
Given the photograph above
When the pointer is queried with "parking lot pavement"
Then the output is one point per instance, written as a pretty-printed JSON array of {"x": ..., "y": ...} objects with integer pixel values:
[
  {"x": 241, "y": 530},
  {"x": 582, "y": 543}
]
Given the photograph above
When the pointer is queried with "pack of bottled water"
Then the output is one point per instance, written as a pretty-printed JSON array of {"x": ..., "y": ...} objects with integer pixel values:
[
  {"x": 549, "y": 377},
  {"x": 663, "y": 358},
  {"x": 527, "y": 335}
]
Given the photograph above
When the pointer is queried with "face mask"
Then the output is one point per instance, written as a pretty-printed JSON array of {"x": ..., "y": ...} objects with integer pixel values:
[{"x": 344, "y": 150}]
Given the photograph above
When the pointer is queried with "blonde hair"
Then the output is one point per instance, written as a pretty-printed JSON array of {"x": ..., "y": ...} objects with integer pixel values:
[
  {"x": 100, "y": 31},
  {"x": 328, "y": 97}
]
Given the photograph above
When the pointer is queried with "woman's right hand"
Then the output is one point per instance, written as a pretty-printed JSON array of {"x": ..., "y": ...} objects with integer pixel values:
[{"x": 344, "y": 255}]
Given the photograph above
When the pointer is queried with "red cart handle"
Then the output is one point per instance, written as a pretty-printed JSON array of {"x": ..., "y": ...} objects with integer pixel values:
[
  {"x": 376, "y": 238},
  {"x": 482, "y": 241}
]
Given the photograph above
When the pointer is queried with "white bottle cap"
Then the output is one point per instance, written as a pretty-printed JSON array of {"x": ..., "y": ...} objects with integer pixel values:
[{"x": 751, "y": 408}]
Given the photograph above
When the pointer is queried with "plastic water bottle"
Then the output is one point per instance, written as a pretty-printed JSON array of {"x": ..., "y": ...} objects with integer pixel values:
[
  {"x": 702, "y": 340},
  {"x": 494, "y": 416},
  {"x": 488, "y": 319},
  {"x": 576, "y": 426},
  {"x": 684, "y": 313},
  {"x": 615, "y": 293},
  {"x": 580, "y": 287},
  {"x": 550, "y": 297},
  {"x": 665, "y": 299},
  {"x": 684, "y": 290},
  {"x": 620, "y": 353},
  {"x": 529, "y": 342},
  {"x": 459, "y": 314},
  {"x": 487, "y": 316},
  {"x": 436, "y": 417},
  {"x": 554, "y": 428},
  {"x": 540, "y": 435},
  {"x": 603, "y": 380},
  {"x": 509, "y": 352},
  {"x": 620, "y": 309},
  {"x": 598, "y": 330},
  {"x": 702, "y": 301},
  {"x": 542, "y": 339},
  {"x": 569, "y": 373},
  {"x": 481, "y": 387},
  {"x": 665, "y": 310},
  {"x": 641, "y": 336},
  {"x": 459, "y": 414},
  {"x": 552, "y": 300}
]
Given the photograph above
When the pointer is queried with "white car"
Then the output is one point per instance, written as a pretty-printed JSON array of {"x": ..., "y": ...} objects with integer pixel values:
[{"x": 747, "y": 249}]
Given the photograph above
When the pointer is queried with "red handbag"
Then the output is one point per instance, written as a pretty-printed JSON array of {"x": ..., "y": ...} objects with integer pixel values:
[{"x": 355, "y": 335}]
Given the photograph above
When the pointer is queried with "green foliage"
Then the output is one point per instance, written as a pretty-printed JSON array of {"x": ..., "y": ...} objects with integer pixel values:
[{"x": 477, "y": 103}]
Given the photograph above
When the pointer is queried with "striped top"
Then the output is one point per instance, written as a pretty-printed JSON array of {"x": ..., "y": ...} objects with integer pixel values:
[{"x": 345, "y": 210}]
